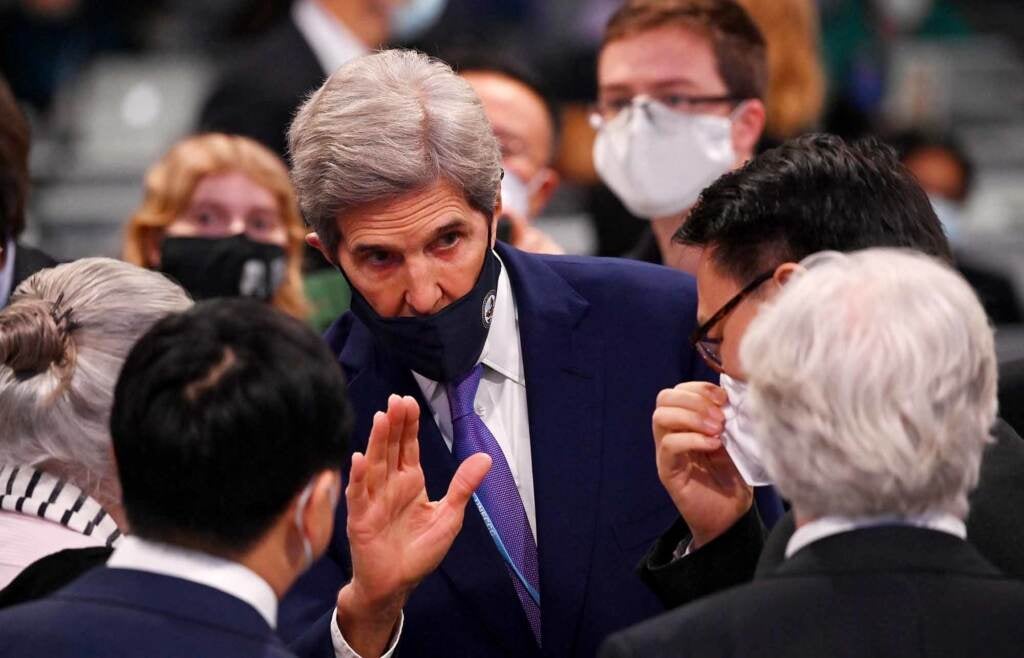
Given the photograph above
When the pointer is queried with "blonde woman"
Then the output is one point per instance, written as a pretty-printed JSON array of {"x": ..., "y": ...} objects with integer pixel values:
[{"x": 220, "y": 217}]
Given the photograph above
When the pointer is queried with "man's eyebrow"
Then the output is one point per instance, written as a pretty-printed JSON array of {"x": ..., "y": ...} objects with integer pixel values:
[{"x": 457, "y": 224}]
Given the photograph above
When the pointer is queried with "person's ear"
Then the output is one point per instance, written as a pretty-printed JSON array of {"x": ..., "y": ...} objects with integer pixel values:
[
  {"x": 318, "y": 514},
  {"x": 549, "y": 179},
  {"x": 313, "y": 240},
  {"x": 783, "y": 273},
  {"x": 747, "y": 127},
  {"x": 493, "y": 226}
]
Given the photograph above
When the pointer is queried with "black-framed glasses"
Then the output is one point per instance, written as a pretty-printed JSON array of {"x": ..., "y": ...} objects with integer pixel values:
[
  {"x": 710, "y": 349},
  {"x": 605, "y": 110}
]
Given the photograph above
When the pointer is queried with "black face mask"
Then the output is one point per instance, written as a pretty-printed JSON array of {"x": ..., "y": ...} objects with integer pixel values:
[
  {"x": 444, "y": 345},
  {"x": 224, "y": 267}
]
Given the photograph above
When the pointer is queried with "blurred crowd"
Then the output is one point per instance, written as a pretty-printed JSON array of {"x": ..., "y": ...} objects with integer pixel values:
[{"x": 305, "y": 347}]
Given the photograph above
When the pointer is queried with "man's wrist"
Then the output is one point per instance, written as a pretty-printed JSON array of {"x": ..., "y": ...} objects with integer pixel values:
[{"x": 367, "y": 623}]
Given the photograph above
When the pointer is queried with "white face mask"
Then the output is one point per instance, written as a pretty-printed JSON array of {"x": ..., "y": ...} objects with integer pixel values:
[
  {"x": 657, "y": 160},
  {"x": 412, "y": 18},
  {"x": 742, "y": 446},
  {"x": 950, "y": 216},
  {"x": 516, "y": 193}
]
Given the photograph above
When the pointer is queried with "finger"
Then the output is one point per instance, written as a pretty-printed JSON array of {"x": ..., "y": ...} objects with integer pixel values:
[
  {"x": 396, "y": 420},
  {"x": 714, "y": 393},
  {"x": 409, "y": 457},
  {"x": 376, "y": 452},
  {"x": 678, "y": 419},
  {"x": 356, "y": 498},
  {"x": 682, "y": 443},
  {"x": 687, "y": 398},
  {"x": 467, "y": 479}
]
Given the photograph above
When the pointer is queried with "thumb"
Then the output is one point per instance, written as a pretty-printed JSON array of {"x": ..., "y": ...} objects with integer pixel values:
[{"x": 470, "y": 475}]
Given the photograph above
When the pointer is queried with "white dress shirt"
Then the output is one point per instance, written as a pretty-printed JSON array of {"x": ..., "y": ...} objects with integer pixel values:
[
  {"x": 7, "y": 272},
  {"x": 501, "y": 399},
  {"x": 833, "y": 525},
  {"x": 330, "y": 40},
  {"x": 227, "y": 576}
]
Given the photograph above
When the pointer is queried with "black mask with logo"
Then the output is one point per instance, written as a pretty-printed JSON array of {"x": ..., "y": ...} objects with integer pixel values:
[
  {"x": 447, "y": 344},
  {"x": 224, "y": 267}
]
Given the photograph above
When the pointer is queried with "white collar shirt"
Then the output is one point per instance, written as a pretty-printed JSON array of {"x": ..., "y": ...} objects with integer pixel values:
[
  {"x": 828, "y": 526},
  {"x": 501, "y": 399},
  {"x": 332, "y": 42},
  {"x": 7, "y": 272},
  {"x": 227, "y": 576}
]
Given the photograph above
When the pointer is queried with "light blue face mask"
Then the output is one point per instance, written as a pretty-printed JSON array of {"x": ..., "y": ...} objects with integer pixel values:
[
  {"x": 950, "y": 216},
  {"x": 413, "y": 18}
]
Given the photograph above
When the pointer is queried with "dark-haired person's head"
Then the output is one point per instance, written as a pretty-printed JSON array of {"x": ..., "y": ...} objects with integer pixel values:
[
  {"x": 525, "y": 121},
  {"x": 811, "y": 194},
  {"x": 229, "y": 424},
  {"x": 14, "y": 145}
]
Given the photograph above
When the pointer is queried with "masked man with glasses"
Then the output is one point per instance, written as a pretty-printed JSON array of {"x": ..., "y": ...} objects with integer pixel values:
[
  {"x": 680, "y": 102},
  {"x": 754, "y": 225}
]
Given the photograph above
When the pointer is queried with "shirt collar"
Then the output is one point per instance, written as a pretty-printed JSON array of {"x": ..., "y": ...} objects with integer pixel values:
[
  {"x": 331, "y": 41},
  {"x": 502, "y": 352},
  {"x": 227, "y": 576},
  {"x": 828, "y": 526},
  {"x": 7, "y": 272}
]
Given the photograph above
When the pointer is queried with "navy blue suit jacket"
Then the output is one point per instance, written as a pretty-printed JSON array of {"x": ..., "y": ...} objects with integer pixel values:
[
  {"x": 600, "y": 338},
  {"x": 129, "y": 613}
]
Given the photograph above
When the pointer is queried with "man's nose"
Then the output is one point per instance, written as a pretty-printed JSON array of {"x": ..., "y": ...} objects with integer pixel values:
[
  {"x": 422, "y": 290},
  {"x": 236, "y": 225}
]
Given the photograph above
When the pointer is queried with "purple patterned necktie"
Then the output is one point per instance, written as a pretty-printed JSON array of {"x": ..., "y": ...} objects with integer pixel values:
[{"x": 498, "y": 493}]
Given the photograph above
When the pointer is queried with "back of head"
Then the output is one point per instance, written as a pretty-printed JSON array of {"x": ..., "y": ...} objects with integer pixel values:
[
  {"x": 63, "y": 339},
  {"x": 873, "y": 383},
  {"x": 221, "y": 415},
  {"x": 14, "y": 181},
  {"x": 811, "y": 194},
  {"x": 385, "y": 125},
  {"x": 736, "y": 41}
]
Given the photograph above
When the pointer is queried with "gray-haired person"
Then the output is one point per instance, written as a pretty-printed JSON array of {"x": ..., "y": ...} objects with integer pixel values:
[
  {"x": 871, "y": 416},
  {"x": 63, "y": 340},
  {"x": 548, "y": 364}
]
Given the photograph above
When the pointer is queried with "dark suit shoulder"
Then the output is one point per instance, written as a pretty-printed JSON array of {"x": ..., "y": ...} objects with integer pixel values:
[
  {"x": 50, "y": 573},
  {"x": 28, "y": 261}
]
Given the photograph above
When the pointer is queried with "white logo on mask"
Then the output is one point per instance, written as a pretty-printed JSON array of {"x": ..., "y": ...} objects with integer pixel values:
[
  {"x": 487, "y": 309},
  {"x": 657, "y": 160},
  {"x": 738, "y": 440}
]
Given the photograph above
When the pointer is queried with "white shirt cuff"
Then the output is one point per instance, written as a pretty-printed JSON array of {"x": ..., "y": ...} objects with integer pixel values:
[{"x": 343, "y": 650}]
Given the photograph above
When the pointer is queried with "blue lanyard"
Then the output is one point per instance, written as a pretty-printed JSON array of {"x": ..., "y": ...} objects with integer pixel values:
[{"x": 534, "y": 594}]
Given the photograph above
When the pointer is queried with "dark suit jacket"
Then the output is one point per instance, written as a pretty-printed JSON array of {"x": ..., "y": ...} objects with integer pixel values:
[
  {"x": 995, "y": 528},
  {"x": 888, "y": 592},
  {"x": 28, "y": 261},
  {"x": 258, "y": 94},
  {"x": 123, "y": 612},
  {"x": 51, "y": 573},
  {"x": 600, "y": 338}
]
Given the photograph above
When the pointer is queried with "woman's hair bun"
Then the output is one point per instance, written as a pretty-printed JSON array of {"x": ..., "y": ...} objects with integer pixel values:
[{"x": 36, "y": 334}]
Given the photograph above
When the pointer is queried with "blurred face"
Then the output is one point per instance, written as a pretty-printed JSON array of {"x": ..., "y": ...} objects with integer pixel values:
[
  {"x": 715, "y": 290},
  {"x": 224, "y": 205},
  {"x": 938, "y": 172},
  {"x": 523, "y": 128},
  {"x": 671, "y": 64},
  {"x": 415, "y": 255}
]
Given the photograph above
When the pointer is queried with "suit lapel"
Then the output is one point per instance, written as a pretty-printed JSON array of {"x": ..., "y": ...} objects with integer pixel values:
[
  {"x": 473, "y": 567},
  {"x": 563, "y": 364}
]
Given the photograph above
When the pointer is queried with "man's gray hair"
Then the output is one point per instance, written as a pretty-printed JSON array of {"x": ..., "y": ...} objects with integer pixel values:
[
  {"x": 385, "y": 125},
  {"x": 873, "y": 384},
  {"x": 63, "y": 340}
]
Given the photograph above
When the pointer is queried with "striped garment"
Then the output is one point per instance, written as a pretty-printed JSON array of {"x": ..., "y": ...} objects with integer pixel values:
[{"x": 25, "y": 490}]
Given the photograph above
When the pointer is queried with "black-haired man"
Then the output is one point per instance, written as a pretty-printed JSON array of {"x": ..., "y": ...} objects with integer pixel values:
[
  {"x": 230, "y": 424},
  {"x": 812, "y": 194}
]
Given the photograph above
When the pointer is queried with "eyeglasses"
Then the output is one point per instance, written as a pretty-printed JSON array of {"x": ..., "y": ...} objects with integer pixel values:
[
  {"x": 710, "y": 349},
  {"x": 606, "y": 110}
]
